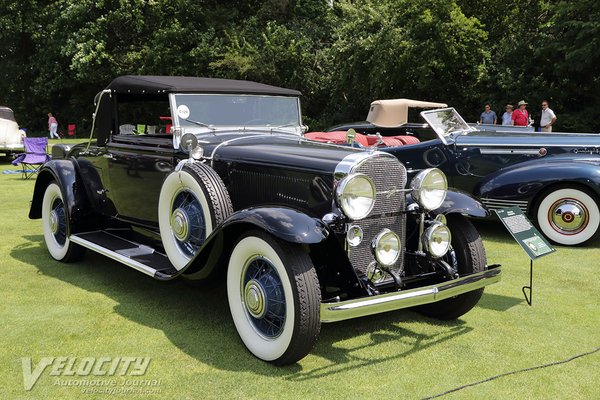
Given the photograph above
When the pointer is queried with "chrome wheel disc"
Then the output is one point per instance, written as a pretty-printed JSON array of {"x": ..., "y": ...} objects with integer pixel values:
[
  {"x": 180, "y": 224},
  {"x": 568, "y": 216},
  {"x": 57, "y": 222},
  {"x": 254, "y": 297},
  {"x": 187, "y": 222},
  {"x": 263, "y": 297}
]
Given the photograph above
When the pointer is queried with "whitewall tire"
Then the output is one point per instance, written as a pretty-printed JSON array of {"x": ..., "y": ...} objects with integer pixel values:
[
  {"x": 56, "y": 226},
  {"x": 192, "y": 203},
  {"x": 274, "y": 298},
  {"x": 568, "y": 216}
]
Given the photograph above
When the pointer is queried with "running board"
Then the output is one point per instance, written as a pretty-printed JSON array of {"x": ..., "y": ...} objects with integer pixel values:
[{"x": 135, "y": 255}]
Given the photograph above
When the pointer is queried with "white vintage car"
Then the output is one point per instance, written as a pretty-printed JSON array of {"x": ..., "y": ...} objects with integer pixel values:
[{"x": 11, "y": 137}]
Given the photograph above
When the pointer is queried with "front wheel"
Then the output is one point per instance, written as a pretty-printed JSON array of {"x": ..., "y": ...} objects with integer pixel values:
[
  {"x": 471, "y": 258},
  {"x": 568, "y": 216},
  {"x": 274, "y": 298},
  {"x": 56, "y": 226}
]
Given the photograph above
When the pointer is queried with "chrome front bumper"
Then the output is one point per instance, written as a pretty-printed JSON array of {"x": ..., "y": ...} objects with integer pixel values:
[{"x": 348, "y": 309}]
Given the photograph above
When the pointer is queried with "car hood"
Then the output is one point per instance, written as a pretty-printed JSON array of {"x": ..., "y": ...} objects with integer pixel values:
[
  {"x": 286, "y": 151},
  {"x": 535, "y": 139}
]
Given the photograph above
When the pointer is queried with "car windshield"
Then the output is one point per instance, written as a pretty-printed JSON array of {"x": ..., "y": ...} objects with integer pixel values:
[
  {"x": 214, "y": 112},
  {"x": 446, "y": 122}
]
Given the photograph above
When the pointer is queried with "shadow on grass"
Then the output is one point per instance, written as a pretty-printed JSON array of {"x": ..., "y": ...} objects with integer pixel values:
[{"x": 198, "y": 321}]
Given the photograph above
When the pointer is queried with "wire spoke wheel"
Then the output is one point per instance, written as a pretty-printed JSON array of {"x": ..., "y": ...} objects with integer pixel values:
[
  {"x": 274, "y": 297},
  {"x": 56, "y": 226}
]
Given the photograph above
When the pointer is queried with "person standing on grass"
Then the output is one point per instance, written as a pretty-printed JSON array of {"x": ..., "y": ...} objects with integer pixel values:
[
  {"x": 548, "y": 117},
  {"x": 488, "y": 117},
  {"x": 52, "y": 126}
]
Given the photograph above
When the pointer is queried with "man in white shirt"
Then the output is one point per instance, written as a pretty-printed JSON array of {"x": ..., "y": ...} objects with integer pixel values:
[{"x": 548, "y": 117}]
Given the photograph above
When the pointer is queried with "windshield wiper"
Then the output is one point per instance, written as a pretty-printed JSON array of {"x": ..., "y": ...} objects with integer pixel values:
[
  {"x": 211, "y": 127},
  {"x": 274, "y": 128}
]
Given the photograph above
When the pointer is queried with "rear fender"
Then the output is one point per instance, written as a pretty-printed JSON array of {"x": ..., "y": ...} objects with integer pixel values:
[
  {"x": 525, "y": 181},
  {"x": 65, "y": 174}
]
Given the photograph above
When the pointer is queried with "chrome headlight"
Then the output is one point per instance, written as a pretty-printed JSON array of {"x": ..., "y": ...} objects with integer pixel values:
[
  {"x": 436, "y": 239},
  {"x": 356, "y": 196},
  {"x": 386, "y": 247},
  {"x": 429, "y": 188}
]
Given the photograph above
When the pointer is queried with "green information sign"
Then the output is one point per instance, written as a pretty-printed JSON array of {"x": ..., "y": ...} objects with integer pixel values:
[{"x": 534, "y": 244}]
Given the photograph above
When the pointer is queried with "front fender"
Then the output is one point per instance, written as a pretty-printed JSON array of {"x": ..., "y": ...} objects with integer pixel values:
[
  {"x": 458, "y": 202},
  {"x": 65, "y": 174},
  {"x": 524, "y": 181},
  {"x": 284, "y": 223}
]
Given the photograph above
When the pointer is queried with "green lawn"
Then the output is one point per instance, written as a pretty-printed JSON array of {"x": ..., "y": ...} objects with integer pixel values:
[{"x": 99, "y": 308}]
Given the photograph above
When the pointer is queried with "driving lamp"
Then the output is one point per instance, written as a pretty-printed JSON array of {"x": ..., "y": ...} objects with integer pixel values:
[
  {"x": 436, "y": 239},
  {"x": 386, "y": 247}
]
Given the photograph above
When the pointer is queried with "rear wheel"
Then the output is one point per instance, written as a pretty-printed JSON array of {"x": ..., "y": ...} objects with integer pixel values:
[
  {"x": 56, "y": 226},
  {"x": 471, "y": 258},
  {"x": 274, "y": 298},
  {"x": 568, "y": 215}
]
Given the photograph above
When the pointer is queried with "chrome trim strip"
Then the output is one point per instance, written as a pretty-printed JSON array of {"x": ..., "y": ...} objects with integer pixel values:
[
  {"x": 339, "y": 311},
  {"x": 518, "y": 151},
  {"x": 114, "y": 255},
  {"x": 496, "y": 203},
  {"x": 525, "y": 145},
  {"x": 354, "y": 160},
  {"x": 226, "y": 142},
  {"x": 489, "y": 199}
]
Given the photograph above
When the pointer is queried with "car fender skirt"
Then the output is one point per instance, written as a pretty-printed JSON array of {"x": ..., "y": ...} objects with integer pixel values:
[{"x": 65, "y": 175}]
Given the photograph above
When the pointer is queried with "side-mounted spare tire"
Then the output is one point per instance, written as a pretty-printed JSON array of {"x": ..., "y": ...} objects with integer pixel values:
[{"x": 192, "y": 202}]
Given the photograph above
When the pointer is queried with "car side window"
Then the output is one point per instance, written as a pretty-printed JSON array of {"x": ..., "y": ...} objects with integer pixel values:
[{"x": 138, "y": 115}]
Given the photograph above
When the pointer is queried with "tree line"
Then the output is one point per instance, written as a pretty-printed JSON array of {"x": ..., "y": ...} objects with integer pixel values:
[{"x": 342, "y": 54}]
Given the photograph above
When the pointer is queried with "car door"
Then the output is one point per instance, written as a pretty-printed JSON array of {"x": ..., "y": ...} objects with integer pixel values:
[{"x": 139, "y": 156}]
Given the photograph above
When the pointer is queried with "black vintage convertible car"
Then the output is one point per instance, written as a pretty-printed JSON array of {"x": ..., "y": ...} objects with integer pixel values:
[
  {"x": 205, "y": 179},
  {"x": 553, "y": 177}
]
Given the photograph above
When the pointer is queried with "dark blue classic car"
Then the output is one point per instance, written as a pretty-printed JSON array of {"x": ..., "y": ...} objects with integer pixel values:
[
  {"x": 208, "y": 179},
  {"x": 553, "y": 177}
]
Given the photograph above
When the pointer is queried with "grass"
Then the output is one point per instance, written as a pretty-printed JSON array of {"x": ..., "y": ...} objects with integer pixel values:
[{"x": 99, "y": 308}]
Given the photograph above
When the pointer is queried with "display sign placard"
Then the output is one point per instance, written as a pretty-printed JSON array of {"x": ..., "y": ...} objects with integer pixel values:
[{"x": 530, "y": 239}]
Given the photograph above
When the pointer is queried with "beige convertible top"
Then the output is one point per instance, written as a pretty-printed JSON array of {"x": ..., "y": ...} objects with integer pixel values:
[{"x": 393, "y": 113}]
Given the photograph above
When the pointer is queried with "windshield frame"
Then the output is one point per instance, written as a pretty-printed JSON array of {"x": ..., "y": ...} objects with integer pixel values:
[
  {"x": 444, "y": 132},
  {"x": 295, "y": 129}
]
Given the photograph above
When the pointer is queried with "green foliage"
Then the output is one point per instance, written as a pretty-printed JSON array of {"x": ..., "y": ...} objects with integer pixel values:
[{"x": 56, "y": 55}]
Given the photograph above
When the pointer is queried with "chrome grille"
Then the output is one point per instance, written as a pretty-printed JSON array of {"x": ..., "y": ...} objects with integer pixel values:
[{"x": 389, "y": 177}]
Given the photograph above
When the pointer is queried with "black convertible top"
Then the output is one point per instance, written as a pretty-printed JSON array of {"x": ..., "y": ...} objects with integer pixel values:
[{"x": 165, "y": 84}]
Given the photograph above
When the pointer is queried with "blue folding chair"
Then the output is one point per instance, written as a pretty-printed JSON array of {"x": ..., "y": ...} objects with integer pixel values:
[{"x": 35, "y": 156}]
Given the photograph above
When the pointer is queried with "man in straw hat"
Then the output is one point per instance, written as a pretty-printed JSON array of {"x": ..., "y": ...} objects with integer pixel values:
[{"x": 520, "y": 116}]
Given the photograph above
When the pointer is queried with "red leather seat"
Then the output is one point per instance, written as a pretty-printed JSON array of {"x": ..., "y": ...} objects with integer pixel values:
[
  {"x": 407, "y": 139},
  {"x": 336, "y": 137},
  {"x": 392, "y": 141}
]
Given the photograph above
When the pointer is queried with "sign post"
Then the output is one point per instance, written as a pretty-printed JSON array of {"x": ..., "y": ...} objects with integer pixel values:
[{"x": 534, "y": 244}]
